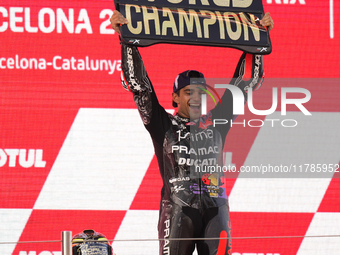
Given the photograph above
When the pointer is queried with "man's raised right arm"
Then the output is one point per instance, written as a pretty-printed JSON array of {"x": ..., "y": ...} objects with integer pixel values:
[{"x": 134, "y": 78}]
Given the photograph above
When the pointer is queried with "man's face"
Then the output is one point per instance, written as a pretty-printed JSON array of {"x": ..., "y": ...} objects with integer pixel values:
[{"x": 189, "y": 101}]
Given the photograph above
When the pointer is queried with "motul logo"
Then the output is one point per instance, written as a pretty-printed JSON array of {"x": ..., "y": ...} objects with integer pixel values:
[
  {"x": 286, "y": 1},
  {"x": 26, "y": 159}
]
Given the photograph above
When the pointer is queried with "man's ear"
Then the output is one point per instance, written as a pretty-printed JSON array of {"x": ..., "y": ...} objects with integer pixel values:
[{"x": 175, "y": 97}]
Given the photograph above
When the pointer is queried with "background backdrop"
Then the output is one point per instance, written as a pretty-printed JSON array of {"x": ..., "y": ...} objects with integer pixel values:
[{"x": 75, "y": 155}]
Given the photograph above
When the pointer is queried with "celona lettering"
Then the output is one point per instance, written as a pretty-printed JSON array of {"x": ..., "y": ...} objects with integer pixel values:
[{"x": 46, "y": 20}]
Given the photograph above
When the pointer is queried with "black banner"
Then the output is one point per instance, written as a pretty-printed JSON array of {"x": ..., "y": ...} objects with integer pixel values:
[{"x": 224, "y": 23}]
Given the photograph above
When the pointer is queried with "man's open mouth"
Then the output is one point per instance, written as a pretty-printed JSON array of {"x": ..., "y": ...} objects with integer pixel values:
[{"x": 195, "y": 106}]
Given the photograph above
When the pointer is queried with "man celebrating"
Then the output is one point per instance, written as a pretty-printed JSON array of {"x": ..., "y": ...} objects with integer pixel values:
[{"x": 194, "y": 203}]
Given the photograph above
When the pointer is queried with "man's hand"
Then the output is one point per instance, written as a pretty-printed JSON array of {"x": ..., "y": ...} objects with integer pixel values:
[
  {"x": 267, "y": 21},
  {"x": 117, "y": 19}
]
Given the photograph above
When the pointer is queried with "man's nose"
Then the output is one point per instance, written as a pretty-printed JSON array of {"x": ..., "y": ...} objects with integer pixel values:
[{"x": 196, "y": 97}]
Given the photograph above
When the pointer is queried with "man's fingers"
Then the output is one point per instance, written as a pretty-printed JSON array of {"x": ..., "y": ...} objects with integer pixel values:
[
  {"x": 117, "y": 19},
  {"x": 267, "y": 21}
]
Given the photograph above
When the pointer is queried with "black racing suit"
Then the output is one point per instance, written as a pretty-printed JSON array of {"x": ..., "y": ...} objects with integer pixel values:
[{"x": 194, "y": 203}]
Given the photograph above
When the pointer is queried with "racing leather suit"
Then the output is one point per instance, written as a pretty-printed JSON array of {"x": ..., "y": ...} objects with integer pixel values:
[{"x": 194, "y": 203}]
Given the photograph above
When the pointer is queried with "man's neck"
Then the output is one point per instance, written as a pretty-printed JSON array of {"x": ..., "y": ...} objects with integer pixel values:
[{"x": 185, "y": 119}]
